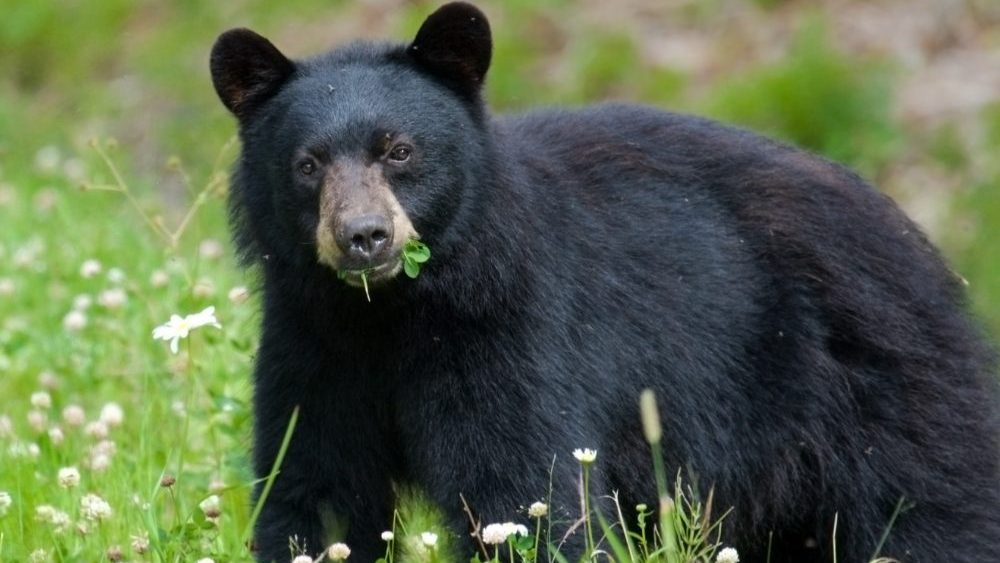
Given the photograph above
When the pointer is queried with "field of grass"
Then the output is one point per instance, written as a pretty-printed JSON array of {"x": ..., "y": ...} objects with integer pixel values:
[{"x": 115, "y": 97}]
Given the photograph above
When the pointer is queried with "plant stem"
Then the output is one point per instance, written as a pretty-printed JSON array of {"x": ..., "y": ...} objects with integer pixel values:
[
  {"x": 538, "y": 536},
  {"x": 667, "y": 531},
  {"x": 586, "y": 510},
  {"x": 287, "y": 439},
  {"x": 124, "y": 189}
]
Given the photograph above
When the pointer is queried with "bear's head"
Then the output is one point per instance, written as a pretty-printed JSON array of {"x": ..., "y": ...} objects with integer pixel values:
[{"x": 349, "y": 155}]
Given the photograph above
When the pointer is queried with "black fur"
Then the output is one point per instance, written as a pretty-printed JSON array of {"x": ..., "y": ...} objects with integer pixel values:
[{"x": 807, "y": 343}]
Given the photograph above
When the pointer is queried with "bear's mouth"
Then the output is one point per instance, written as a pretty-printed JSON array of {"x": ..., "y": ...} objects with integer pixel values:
[{"x": 373, "y": 275}]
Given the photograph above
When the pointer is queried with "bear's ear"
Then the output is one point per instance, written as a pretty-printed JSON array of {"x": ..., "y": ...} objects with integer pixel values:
[
  {"x": 247, "y": 70},
  {"x": 454, "y": 44}
]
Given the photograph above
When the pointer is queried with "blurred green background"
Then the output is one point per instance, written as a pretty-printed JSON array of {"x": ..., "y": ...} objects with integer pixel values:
[{"x": 905, "y": 91}]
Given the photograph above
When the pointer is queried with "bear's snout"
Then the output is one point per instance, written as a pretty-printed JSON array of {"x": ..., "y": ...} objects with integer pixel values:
[{"x": 365, "y": 238}]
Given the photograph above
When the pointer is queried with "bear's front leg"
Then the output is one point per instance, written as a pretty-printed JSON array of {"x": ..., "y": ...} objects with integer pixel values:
[{"x": 333, "y": 485}]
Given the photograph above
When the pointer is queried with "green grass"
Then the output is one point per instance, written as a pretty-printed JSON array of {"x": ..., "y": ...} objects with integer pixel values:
[{"x": 136, "y": 71}]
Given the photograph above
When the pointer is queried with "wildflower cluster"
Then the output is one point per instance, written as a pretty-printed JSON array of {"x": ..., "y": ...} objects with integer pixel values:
[{"x": 494, "y": 534}]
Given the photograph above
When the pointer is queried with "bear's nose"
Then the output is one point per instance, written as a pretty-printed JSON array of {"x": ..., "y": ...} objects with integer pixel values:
[{"x": 365, "y": 237}]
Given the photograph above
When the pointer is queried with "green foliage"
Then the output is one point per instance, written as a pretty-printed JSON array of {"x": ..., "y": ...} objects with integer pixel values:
[{"x": 819, "y": 99}]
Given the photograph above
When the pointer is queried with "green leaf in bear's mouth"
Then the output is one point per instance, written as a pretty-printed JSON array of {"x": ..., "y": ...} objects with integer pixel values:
[{"x": 414, "y": 253}]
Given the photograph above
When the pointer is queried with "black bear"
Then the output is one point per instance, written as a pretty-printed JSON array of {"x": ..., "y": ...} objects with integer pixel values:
[{"x": 807, "y": 343}]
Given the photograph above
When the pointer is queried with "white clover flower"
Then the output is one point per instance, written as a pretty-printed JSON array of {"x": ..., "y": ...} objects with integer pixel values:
[
  {"x": 37, "y": 420},
  {"x": 48, "y": 158},
  {"x": 82, "y": 302},
  {"x": 727, "y": 555},
  {"x": 97, "y": 430},
  {"x": 69, "y": 477},
  {"x": 159, "y": 279},
  {"x": 48, "y": 380},
  {"x": 210, "y": 248},
  {"x": 41, "y": 400},
  {"x": 429, "y": 539},
  {"x": 140, "y": 544},
  {"x": 27, "y": 256},
  {"x": 338, "y": 552},
  {"x": 38, "y": 556},
  {"x": 51, "y": 515},
  {"x": 178, "y": 408},
  {"x": 75, "y": 321},
  {"x": 114, "y": 553},
  {"x": 494, "y": 534},
  {"x": 388, "y": 536},
  {"x": 211, "y": 506},
  {"x": 99, "y": 463},
  {"x": 94, "y": 508},
  {"x": 60, "y": 521},
  {"x": 74, "y": 415},
  {"x": 44, "y": 512},
  {"x": 205, "y": 560},
  {"x": 90, "y": 268},
  {"x": 7, "y": 196},
  {"x": 112, "y": 414},
  {"x": 113, "y": 298},
  {"x": 18, "y": 449},
  {"x": 104, "y": 447},
  {"x": 302, "y": 559},
  {"x": 116, "y": 275},
  {"x": 203, "y": 288},
  {"x": 46, "y": 199},
  {"x": 74, "y": 170},
  {"x": 33, "y": 450},
  {"x": 516, "y": 529},
  {"x": 7, "y": 287},
  {"x": 585, "y": 456},
  {"x": 239, "y": 295},
  {"x": 179, "y": 327},
  {"x": 56, "y": 435},
  {"x": 6, "y": 426},
  {"x": 538, "y": 510},
  {"x": 5, "y": 502}
]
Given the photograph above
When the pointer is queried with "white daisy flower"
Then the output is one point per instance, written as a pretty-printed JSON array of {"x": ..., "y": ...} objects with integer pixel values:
[
  {"x": 585, "y": 456},
  {"x": 429, "y": 539},
  {"x": 179, "y": 327}
]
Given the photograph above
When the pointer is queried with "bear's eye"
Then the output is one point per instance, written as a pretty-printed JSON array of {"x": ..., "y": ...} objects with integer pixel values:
[
  {"x": 307, "y": 167},
  {"x": 400, "y": 153}
]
